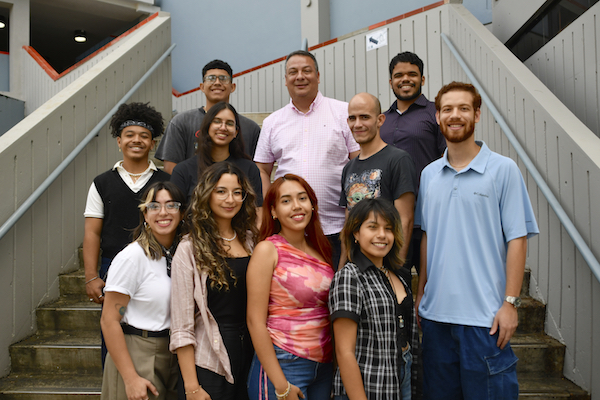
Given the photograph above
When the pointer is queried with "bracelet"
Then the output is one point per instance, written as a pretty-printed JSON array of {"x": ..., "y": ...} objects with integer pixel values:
[
  {"x": 194, "y": 391},
  {"x": 284, "y": 395},
  {"x": 94, "y": 278}
]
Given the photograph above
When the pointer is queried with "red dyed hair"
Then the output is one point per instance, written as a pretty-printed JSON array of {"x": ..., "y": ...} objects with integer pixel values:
[{"x": 314, "y": 233}]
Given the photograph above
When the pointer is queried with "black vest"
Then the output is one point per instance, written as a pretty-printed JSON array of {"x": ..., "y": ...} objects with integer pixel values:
[{"x": 121, "y": 212}]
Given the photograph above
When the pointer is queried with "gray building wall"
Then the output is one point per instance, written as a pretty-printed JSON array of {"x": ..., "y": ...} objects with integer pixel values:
[
  {"x": 243, "y": 33},
  {"x": 4, "y": 75},
  {"x": 11, "y": 111}
]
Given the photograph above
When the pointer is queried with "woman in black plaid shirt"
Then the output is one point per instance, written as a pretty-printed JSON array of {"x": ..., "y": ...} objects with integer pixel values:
[{"x": 372, "y": 308}]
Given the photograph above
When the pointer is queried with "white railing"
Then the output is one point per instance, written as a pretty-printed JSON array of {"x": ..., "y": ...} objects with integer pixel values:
[
  {"x": 44, "y": 242},
  {"x": 567, "y": 155}
]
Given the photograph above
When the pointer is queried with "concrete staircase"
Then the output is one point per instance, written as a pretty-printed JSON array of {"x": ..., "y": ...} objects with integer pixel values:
[
  {"x": 541, "y": 358},
  {"x": 62, "y": 361}
]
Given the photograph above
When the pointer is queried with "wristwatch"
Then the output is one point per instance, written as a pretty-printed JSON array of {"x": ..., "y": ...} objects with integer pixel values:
[{"x": 515, "y": 301}]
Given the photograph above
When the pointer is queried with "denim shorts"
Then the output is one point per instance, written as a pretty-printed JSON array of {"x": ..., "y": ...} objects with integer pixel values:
[
  {"x": 313, "y": 378},
  {"x": 464, "y": 362}
]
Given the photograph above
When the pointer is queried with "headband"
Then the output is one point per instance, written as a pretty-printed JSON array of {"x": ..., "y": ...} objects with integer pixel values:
[{"x": 136, "y": 123}]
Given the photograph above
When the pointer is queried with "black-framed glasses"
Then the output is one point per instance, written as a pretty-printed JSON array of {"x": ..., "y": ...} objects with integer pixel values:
[
  {"x": 172, "y": 207},
  {"x": 221, "y": 78}
]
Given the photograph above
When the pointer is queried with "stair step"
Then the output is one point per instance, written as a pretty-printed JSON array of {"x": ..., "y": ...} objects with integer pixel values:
[
  {"x": 538, "y": 386},
  {"x": 532, "y": 316},
  {"x": 50, "y": 387},
  {"x": 538, "y": 353},
  {"x": 72, "y": 285},
  {"x": 60, "y": 353},
  {"x": 67, "y": 315}
]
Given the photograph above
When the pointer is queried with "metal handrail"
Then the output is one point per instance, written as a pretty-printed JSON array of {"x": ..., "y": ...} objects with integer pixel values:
[
  {"x": 580, "y": 243},
  {"x": 12, "y": 220}
]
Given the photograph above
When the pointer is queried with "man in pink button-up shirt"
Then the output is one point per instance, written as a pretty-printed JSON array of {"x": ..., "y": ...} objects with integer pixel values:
[{"x": 309, "y": 137}]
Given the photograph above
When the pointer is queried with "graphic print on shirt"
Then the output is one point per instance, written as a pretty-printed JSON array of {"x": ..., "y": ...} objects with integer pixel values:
[{"x": 367, "y": 184}]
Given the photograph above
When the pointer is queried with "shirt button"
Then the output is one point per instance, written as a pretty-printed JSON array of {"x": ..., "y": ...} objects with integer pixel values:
[{"x": 455, "y": 188}]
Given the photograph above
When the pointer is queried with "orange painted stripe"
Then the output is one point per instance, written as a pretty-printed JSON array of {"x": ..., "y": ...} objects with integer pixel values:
[
  {"x": 332, "y": 41},
  {"x": 55, "y": 75},
  {"x": 4, "y": 52},
  {"x": 371, "y": 27}
]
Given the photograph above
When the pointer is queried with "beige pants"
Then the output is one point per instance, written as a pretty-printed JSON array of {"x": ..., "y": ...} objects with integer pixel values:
[{"x": 152, "y": 360}]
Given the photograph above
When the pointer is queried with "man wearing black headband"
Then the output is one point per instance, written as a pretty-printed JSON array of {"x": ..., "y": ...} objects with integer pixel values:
[{"x": 111, "y": 211}]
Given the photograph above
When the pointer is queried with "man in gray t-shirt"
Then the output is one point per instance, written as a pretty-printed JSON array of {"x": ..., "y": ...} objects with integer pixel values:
[
  {"x": 179, "y": 142},
  {"x": 379, "y": 170}
]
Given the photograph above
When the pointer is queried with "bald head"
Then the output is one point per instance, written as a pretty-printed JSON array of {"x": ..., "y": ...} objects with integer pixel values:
[
  {"x": 367, "y": 99},
  {"x": 365, "y": 119}
]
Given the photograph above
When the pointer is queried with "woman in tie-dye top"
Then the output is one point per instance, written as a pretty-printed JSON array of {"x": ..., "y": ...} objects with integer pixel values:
[{"x": 288, "y": 282}]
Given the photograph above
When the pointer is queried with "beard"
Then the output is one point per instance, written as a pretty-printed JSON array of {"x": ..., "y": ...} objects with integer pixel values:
[
  {"x": 457, "y": 138},
  {"x": 410, "y": 97}
]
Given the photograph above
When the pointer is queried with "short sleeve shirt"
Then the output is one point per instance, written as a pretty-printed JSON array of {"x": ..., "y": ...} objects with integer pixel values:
[
  {"x": 388, "y": 174},
  {"x": 314, "y": 145},
  {"x": 179, "y": 142},
  {"x": 469, "y": 217}
]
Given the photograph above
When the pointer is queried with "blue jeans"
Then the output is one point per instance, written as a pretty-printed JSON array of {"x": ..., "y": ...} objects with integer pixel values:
[
  {"x": 464, "y": 362},
  {"x": 313, "y": 378},
  {"x": 405, "y": 377}
]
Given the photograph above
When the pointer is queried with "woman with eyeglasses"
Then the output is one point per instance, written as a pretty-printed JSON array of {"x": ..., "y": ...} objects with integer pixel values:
[
  {"x": 208, "y": 331},
  {"x": 136, "y": 315},
  {"x": 219, "y": 139}
]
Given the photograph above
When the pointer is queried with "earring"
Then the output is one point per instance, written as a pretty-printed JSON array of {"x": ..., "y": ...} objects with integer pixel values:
[
  {"x": 274, "y": 217},
  {"x": 355, "y": 241},
  {"x": 313, "y": 209},
  {"x": 145, "y": 225},
  {"x": 119, "y": 149}
]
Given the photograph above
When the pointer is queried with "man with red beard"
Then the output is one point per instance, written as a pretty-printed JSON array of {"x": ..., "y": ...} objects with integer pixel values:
[
  {"x": 476, "y": 217},
  {"x": 410, "y": 125}
]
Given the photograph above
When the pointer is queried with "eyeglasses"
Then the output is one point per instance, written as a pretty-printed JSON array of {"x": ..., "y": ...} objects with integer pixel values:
[
  {"x": 237, "y": 194},
  {"x": 172, "y": 207},
  {"x": 228, "y": 123},
  {"x": 221, "y": 78}
]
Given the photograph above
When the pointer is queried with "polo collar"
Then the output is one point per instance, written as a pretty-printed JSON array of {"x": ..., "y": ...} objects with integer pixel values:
[
  {"x": 477, "y": 164},
  {"x": 361, "y": 261}
]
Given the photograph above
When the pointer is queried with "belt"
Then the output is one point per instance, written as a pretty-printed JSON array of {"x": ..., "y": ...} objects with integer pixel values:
[{"x": 130, "y": 330}]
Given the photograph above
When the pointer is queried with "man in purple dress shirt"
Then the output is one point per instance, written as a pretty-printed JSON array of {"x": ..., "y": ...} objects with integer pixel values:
[
  {"x": 309, "y": 137},
  {"x": 410, "y": 125}
]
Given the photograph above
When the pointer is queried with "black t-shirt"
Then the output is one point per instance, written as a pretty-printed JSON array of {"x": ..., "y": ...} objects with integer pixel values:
[
  {"x": 185, "y": 176},
  {"x": 388, "y": 174}
]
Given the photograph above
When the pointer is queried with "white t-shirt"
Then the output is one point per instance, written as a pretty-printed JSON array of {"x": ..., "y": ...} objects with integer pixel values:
[
  {"x": 147, "y": 284},
  {"x": 94, "y": 207}
]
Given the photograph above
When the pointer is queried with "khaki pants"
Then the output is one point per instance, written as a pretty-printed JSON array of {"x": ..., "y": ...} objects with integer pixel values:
[{"x": 152, "y": 360}]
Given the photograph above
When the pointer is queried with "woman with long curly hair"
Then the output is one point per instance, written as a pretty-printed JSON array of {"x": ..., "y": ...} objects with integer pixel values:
[
  {"x": 288, "y": 285},
  {"x": 219, "y": 139},
  {"x": 136, "y": 314},
  {"x": 208, "y": 330}
]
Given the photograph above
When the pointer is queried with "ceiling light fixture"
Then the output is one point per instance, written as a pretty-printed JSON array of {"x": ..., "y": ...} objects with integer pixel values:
[
  {"x": 2, "y": 22},
  {"x": 80, "y": 36}
]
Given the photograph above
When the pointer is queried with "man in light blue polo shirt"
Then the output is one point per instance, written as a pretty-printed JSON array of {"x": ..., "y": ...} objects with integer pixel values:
[{"x": 476, "y": 217}]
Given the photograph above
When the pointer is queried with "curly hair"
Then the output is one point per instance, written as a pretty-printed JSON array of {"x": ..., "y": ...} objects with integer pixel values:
[
  {"x": 359, "y": 214},
  {"x": 205, "y": 143},
  {"x": 314, "y": 232},
  {"x": 143, "y": 112},
  {"x": 210, "y": 251},
  {"x": 143, "y": 234}
]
